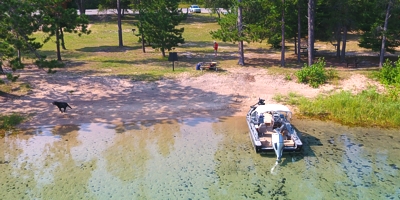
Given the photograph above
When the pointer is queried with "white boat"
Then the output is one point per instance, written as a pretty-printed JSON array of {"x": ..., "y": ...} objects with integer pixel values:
[{"x": 271, "y": 130}]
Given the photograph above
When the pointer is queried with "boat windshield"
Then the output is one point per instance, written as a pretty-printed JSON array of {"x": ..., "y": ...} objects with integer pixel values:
[
  {"x": 254, "y": 117},
  {"x": 282, "y": 115}
]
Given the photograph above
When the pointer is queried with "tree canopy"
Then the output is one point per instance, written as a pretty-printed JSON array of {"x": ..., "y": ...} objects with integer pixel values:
[
  {"x": 158, "y": 21},
  {"x": 18, "y": 23}
]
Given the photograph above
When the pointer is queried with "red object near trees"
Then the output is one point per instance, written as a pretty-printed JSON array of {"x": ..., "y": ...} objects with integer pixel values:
[{"x": 215, "y": 46}]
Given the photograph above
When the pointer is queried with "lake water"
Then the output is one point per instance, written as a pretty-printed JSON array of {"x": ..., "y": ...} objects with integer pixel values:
[{"x": 197, "y": 159}]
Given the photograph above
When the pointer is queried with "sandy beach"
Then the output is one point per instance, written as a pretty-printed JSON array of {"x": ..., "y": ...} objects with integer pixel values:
[{"x": 112, "y": 99}]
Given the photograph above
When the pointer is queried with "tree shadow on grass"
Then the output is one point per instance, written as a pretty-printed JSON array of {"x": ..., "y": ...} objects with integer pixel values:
[
  {"x": 202, "y": 44},
  {"x": 111, "y": 49},
  {"x": 199, "y": 18}
]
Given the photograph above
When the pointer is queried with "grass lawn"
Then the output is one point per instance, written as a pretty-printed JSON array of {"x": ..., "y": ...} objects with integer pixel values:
[{"x": 98, "y": 53}]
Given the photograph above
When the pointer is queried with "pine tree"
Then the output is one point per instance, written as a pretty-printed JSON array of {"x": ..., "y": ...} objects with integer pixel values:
[{"x": 158, "y": 21}]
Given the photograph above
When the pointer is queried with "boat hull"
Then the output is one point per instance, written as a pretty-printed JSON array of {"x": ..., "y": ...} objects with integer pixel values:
[{"x": 258, "y": 145}]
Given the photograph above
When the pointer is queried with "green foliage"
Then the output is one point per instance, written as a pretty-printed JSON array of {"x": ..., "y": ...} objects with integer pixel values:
[
  {"x": 368, "y": 108},
  {"x": 55, "y": 20},
  {"x": 228, "y": 31},
  {"x": 278, "y": 98},
  {"x": 11, "y": 78},
  {"x": 217, "y": 3},
  {"x": 261, "y": 21},
  {"x": 288, "y": 77},
  {"x": 158, "y": 21},
  {"x": 20, "y": 22},
  {"x": 8, "y": 122},
  {"x": 112, "y": 4},
  {"x": 393, "y": 93},
  {"x": 275, "y": 40},
  {"x": 49, "y": 64},
  {"x": 371, "y": 25},
  {"x": 390, "y": 73},
  {"x": 332, "y": 73},
  {"x": 291, "y": 99},
  {"x": 316, "y": 74}
]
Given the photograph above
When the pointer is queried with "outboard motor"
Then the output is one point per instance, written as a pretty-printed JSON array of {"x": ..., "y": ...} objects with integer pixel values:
[
  {"x": 278, "y": 143},
  {"x": 261, "y": 101}
]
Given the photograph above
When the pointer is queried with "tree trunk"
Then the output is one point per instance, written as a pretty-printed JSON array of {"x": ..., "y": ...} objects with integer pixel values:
[
  {"x": 142, "y": 35},
  {"x": 19, "y": 54},
  {"x": 298, "y": 32},
  {"x": 119, "y": 24},
  {"x": 163, "y": 52},
  {"x": 143, "y": 43},
  {"x": 311, "y": 19},
  {"x": 338, "y": 37},
  {"x": 58, "y": 44},
  {"x": 343, "y": 54},
  {"x": 283, "y": 35},
  {"x": 81, "y": 6},
  {"x": 382, "y": 54},
  {"x": 62, "y": 39},
  {"x": 241, "y": 51}
]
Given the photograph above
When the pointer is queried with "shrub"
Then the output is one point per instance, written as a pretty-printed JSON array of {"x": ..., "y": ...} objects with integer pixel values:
[
  {"x": 390, "y": 73},
  {"x": 288, "y": 77},
  {"x": 10, "y": 121},
  {"x": 393, "y": 93},
  {"x": 314, "y": 75}
]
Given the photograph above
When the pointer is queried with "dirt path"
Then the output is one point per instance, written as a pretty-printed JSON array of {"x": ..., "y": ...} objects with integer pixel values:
[{"x": 113, "y": 99}]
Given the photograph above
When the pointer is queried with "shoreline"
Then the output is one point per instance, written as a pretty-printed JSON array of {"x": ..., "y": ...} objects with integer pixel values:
[{"x": 107, "y": 99}]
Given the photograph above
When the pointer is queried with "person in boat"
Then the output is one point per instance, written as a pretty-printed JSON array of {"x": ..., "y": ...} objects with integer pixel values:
[{"x": 261, "y": 119}]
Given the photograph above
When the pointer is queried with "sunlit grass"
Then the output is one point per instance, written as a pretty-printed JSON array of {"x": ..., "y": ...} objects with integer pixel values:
[
  {"x": 368, "y": 108},
  {"x": 16, "y": 88},
  {"x": 9, "y": 122}
]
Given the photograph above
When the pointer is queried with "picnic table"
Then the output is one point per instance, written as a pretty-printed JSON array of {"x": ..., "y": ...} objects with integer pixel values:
[
  {"x": 352, "y": 61},
  {"x": 208, "y": 65},
  {"x": 304, "y": 50}
]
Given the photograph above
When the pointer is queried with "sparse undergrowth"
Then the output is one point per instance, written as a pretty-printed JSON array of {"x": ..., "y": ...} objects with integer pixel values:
[
  {"x": 15, "y": 88},
  {"x": 9, "y": 122}
]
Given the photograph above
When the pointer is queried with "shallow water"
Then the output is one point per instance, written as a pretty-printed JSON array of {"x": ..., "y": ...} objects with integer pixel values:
[{"x": 196, "y": 159}]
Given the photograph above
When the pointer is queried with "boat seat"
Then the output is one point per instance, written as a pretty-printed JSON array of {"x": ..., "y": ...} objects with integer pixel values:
[
  {"x": 268, "y": 119},
  {"x": 289, "y": 143},
  {"x": 262, "y": 129},
  {"x": 269, "y": 129},
  {"x": 266, "y": 140}
]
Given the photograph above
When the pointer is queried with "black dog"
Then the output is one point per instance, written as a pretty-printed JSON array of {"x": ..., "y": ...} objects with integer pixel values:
[{"x": 61, "y": 105}]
